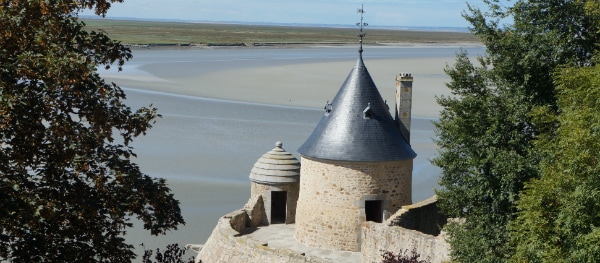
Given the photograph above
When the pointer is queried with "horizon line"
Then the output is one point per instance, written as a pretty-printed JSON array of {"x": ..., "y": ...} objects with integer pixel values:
[{"x": 385, "y": 27}]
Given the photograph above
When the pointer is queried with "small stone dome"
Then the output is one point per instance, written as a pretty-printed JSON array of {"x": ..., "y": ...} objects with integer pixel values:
[{"x": 276, "y": 167}]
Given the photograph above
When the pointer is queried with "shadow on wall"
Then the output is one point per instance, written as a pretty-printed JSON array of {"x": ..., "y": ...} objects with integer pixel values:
[{"x": 423, "y": 216}]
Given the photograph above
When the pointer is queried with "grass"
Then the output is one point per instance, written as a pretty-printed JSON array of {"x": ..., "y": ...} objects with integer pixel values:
[{"x": 175, "y": 33}]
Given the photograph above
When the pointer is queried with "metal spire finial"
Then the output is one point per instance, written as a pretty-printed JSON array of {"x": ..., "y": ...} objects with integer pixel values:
[{"x": 362, "y": 24}]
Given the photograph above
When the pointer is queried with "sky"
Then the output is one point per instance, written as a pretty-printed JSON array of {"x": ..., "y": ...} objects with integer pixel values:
[{"x": 410, "y": 13}]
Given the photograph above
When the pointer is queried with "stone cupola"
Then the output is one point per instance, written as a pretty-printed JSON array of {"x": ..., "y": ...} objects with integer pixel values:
[
  {"x": 275, "y": 178},
  {"x": 276, "y": 167}
]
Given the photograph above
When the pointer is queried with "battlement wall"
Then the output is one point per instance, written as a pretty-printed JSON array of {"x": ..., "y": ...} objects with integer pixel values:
[
  {"x": 229, "y": 241},
  {"x": 417, "y": 226},
  {"x": 378, "y": 238},
  {"x": 423, "y": 216},
  {"x": 228, "y": 244}
]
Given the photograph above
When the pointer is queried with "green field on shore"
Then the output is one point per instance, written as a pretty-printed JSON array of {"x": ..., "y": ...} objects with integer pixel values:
[{"x": 169, "y": 33}]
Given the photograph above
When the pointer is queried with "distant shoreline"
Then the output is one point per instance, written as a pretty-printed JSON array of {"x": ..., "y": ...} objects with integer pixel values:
[
  {"x": 297, "y": 45},
  {"x": 140, "y": 34}
]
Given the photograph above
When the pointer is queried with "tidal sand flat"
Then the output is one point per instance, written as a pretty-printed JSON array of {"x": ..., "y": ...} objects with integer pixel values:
[
  {"x": 223, "y": 108},
  {"x": 303, "y": 77}
]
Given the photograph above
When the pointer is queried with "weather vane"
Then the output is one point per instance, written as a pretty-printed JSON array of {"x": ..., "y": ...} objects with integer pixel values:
[{"x": 362, "y": 24}]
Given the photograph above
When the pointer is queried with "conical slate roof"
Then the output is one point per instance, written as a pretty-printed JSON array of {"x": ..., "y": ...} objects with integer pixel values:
[
  {"x": 276, "y": 167},
  {"x": 357, "y": 125}
]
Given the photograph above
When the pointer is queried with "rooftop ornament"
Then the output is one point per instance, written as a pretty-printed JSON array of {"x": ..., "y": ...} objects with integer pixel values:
[
  {"x": 362, "y": 24},
  {"x": 357, "y": 124}
]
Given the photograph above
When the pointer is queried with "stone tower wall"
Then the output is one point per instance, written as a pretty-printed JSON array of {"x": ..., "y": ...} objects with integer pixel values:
[
  {"x": 333, "y": 194},
  {"x": 265, "y": 190}
]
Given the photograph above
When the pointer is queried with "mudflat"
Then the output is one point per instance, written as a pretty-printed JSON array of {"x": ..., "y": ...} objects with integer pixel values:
[{"x": 300, "y": 77}]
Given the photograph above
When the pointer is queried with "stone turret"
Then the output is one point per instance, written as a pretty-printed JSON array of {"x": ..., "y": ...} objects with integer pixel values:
[
  {"x": 275, "y": 178},
  {"x": 356, "y": 167}
]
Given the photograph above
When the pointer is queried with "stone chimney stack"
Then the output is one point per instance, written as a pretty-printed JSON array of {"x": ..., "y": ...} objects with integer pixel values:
[{"x": 404, "y": 83}]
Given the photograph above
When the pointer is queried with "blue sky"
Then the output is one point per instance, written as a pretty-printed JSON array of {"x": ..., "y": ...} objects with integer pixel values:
[{"x": 429, "y": 13}]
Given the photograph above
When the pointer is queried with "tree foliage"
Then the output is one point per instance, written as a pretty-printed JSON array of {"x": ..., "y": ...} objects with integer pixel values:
[
  {"x": 403, "y": 257},
  {"x": 484, "y": 141},
  {"x": 68, "y": 187},
  {"x": 485, "y": 131},
  {"x": 172, "y": 254},
  {"x": 559, "y": 219}
]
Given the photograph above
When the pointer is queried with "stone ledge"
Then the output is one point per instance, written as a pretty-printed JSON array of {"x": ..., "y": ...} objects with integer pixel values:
[{"x": 226, "y": 244}]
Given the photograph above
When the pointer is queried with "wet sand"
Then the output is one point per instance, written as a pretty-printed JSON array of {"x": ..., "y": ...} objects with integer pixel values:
[
  {"x": 223, "y": 109},
  {"x": 288, "y": 79}
]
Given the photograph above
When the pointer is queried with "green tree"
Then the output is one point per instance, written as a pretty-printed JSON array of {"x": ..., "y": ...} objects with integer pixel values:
[
  {"x": 173, "y": 253},
  {"x": 485, "y": 132},
  {"x": 559, "y": 218},
  {"x": 485, "y": 160},
  {"x": 68, "y": 187}
]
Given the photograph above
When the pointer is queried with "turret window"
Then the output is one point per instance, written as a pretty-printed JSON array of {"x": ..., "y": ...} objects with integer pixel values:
[{"x": 367, "y": 112}]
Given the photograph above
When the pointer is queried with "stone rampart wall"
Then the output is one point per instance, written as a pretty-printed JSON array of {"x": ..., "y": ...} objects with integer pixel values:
[
  {"x": 255, "y": 208},
  {"x": 377, "y": 238},
  {"x": 238, "y": 220},
  {"x": 423, "y": 216},
  {"x": 227, "y": 245},
  {"x": 416, "y": 226}
]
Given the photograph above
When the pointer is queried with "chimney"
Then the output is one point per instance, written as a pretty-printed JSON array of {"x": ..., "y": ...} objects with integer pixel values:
[{"x": 404, "y": 103}]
